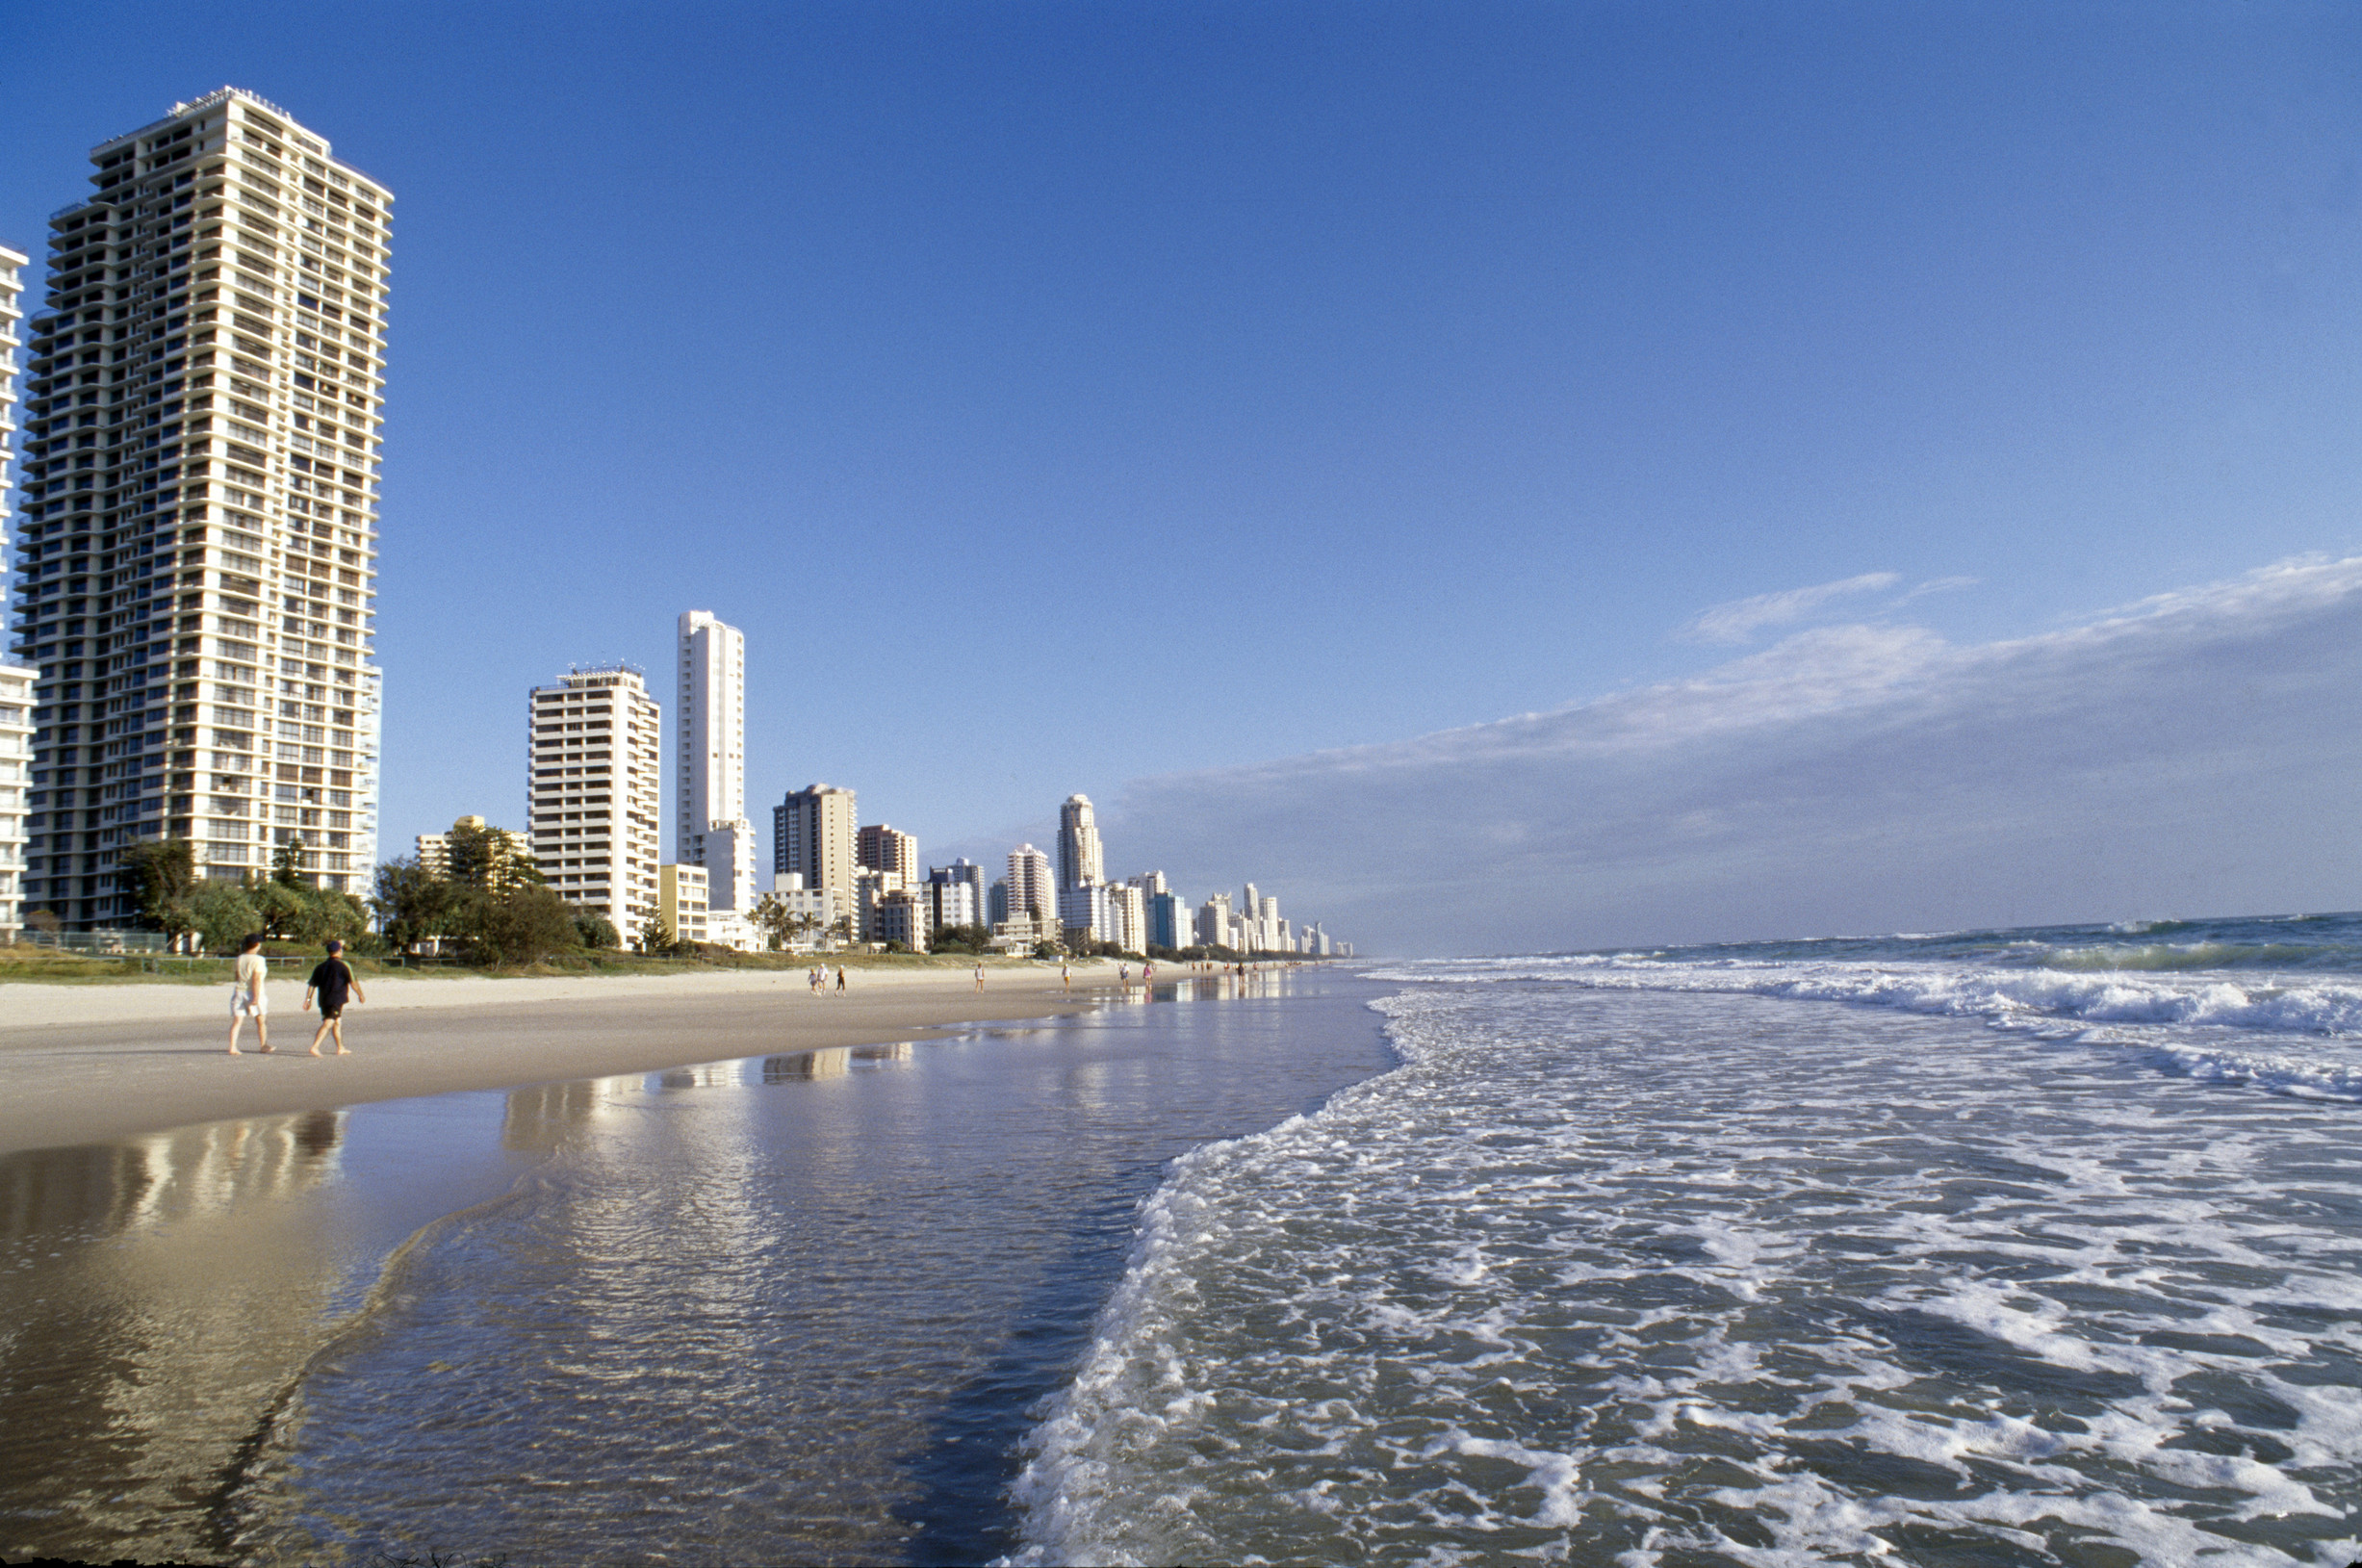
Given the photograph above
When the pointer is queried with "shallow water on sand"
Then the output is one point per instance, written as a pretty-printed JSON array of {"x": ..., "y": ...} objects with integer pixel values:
[{"x": 795, "y": 1307}]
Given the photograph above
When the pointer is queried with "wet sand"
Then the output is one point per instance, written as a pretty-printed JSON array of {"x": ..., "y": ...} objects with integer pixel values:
[
  {"x": 795, "y": 1306},
  {"x": 82, "y": 1065}
]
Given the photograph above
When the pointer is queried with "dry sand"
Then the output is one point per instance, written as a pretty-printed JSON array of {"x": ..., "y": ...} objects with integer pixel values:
[{"x": 84, "y": 1064}]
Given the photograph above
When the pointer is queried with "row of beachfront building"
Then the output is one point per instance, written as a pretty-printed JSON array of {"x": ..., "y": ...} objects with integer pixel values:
[{"x": 594, "y": 757}]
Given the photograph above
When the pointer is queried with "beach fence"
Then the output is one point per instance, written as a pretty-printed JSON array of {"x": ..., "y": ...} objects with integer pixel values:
[
  {"x": 95, "y": 942},
  {"x": 148, "y": 951}
]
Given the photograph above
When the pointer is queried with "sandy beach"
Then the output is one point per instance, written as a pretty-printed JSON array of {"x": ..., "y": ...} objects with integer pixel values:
[{"x": 85, "y": 1064}]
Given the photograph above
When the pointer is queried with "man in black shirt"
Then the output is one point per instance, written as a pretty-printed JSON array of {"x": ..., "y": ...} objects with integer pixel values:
[{"x": 334, "y": 983}]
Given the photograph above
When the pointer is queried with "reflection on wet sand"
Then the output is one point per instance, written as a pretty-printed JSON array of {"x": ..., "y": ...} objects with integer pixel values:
[
  {"x": 158, "y": 1297},
  {"x": 808, "y": 1272},
  {"x": 1251, "y": 985},
  {"x": 541, "y": 1117}
]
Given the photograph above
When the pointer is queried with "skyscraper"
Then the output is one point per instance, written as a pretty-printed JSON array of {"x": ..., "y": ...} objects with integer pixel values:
[
  {"x": 885, "y": 848},
  {"x": 15, "y": 680},
  {"x": 956, "y": 894},
  {"x": 812, "y": 836},
  {"x": 1079, "y": 857},
  {"x": 709, "y": 775},
  {"x": 710, "y": 779},
  {"x": 593, "y": 754},
  {"x": 1031, "y": 892},
  {"x": 204, "y": 416}
]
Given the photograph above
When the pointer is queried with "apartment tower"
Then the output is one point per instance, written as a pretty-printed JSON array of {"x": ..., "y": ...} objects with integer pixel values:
[
  {"x": 1031, "y": 891},
  {"x": 200, "y": 514},
  {"x": 15, "y": 680},
  {"x": 1080, "y": 860},
  {"x": 592, "y": 760},
  {"x": 812, "y": 836},
  {"x": 710, "y": 823},
  {"x": 882, "y": 847}
]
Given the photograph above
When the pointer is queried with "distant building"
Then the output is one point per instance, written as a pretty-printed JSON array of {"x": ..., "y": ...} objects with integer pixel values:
[
  {"x": 812, "y": 836},
  {"x": 996, "y": 901},
  {"x": 956, "y": 894},
  {"x": 709, "y": 772},
  {"x": 870, "y": 890},
  {"x": 901, "y": 917},
  {"x": 681, "y": 893},
  {"x": 1079, "y": 859},
  {"x": 1213, "y": 921},
  {"x": 593, "y": 754},
  {"x": 1169, "y": 921},
  {"x": 710, "y": 827},
  {"x": 1031, "y": 891},
  {"x": 883, "y": 848},
  {"x": 726, "y": 849},
  {"x": 812, "y": 910},
  {"x": 1127, "y": 917},
  {"x": 1085, "y": 914},
  {"x": 1151, "y": 882},
  {"x": 434, "y": 849},
  {"x": 1020, "y": 931}
]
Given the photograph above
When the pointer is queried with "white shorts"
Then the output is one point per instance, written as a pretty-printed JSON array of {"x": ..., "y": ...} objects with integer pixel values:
[{"x": 244, "y": 1007}]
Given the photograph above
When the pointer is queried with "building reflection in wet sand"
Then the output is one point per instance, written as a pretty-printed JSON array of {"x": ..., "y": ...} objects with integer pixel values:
[{"x": 160, "y": 1295}]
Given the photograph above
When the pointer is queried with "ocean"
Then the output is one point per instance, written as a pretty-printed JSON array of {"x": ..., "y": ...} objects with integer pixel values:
[
  {"x": 2010, "y": 1247},
  {"x": 1999, "y": 1247}
]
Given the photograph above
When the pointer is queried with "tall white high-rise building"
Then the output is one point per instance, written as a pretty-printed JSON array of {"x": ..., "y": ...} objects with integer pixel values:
[
  {"x": 200, "y": 543},
  {"x": 1031, "y": 890},
  {"x": 15, "y": 680},
  {"x": 709, "y": 821},
  {"x": 710, "y": 782},
  {"x": 593, "y": 757},
  {"x": 1080, "y": 860}
]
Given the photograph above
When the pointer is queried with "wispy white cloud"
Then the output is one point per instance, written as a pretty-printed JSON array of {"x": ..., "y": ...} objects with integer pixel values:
[
  {"x": 1938, "y": 586},
  {"x": 1742, "y": 618},
  {"x": 2193, "y": 753}
]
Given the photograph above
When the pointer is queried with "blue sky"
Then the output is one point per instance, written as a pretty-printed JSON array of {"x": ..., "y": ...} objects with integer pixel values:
[{"x": 1081, "y": 396}]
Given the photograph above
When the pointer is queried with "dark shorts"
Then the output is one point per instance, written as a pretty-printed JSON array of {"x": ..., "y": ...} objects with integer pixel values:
[{"x": 331, "y": 1010}]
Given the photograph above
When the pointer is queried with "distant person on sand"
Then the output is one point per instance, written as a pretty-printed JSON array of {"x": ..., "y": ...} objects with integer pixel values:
[
  {"x": 1065, "y": 976},
  {"x": 980, "y": 975},
  {"x": 334, "y": 983},
  {"x": 840, "y": 979},
  {"x": 247, "y": 999}
]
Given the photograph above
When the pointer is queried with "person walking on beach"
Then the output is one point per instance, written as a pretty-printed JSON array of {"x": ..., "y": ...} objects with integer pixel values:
[
  {"x": 840, "y": 979},
  {"x": 247, "y": 999},
  {"x": 1065, "y": 976},
  {"x": 980, "y": 975},
  {"x": 333, "y": 982}
]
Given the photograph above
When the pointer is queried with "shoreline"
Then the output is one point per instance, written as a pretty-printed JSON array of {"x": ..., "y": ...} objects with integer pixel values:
[{"x": 88, "y": 1066}]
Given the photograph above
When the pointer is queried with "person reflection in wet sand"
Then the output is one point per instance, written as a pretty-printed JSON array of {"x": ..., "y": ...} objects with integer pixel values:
[
  {"x": 248, "y": 998},
  {"x": 319, "y": 1132}
]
